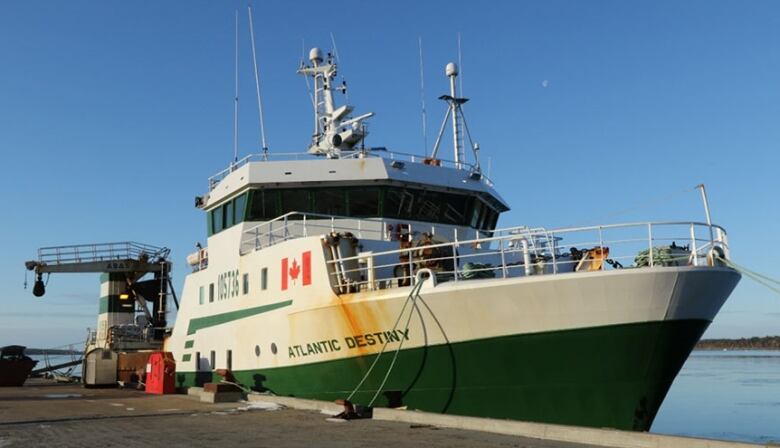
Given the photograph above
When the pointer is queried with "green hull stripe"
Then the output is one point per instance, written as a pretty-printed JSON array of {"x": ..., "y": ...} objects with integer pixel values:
[
  {"x": 189, "y": 344},
  {"x": 219, "y": 319},
  {"x": 612, "y": 376}
]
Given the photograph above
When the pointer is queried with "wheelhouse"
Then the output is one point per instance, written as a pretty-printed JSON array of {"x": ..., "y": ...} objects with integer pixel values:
[{"x": 419, "y": 203}]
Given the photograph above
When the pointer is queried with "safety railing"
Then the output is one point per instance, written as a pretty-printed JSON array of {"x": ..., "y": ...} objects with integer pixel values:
[
  {"x": 373, "y": 152},
  {"x": 518, "y": 252},
  {"x": 84, "y": 253},
  {"x": 298, "y": 225}
]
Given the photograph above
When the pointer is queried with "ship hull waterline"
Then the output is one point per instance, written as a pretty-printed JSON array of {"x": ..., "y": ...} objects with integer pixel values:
[{"x": 614, "y": 376}]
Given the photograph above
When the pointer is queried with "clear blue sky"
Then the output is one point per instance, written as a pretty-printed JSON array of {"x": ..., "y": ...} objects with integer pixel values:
[{"x": 113, "y": 114}]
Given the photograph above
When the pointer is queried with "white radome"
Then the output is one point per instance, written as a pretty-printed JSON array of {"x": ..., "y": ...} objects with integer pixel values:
[{"x": 451, "y": 70}]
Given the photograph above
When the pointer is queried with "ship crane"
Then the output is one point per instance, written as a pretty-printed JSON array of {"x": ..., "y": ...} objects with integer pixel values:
[{"x": 124, "y": 319}]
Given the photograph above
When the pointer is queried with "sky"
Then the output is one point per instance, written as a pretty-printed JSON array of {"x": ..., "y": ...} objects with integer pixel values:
[{"x": 113, "y": 115}]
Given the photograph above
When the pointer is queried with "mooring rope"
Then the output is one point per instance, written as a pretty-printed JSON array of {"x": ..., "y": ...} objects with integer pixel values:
[
  {"x": 755, "y": 276},
  {"x": 413, "y": 294},
  {"x": 400, "y": 344}
]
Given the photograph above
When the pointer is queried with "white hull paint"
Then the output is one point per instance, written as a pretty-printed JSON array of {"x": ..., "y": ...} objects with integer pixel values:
[{"x": 467, "y": 310}]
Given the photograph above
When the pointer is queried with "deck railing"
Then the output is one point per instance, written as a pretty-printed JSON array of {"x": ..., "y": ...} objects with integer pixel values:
[
  {"x": 518, "y": 252},
  {"x": 300, "y": 224},
  {"x": 374, "y": 152},
  {"x": 81, "y": 253}
]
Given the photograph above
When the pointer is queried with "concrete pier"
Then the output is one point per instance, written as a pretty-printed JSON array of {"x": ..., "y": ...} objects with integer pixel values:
[{"x": 49, "y": 414}]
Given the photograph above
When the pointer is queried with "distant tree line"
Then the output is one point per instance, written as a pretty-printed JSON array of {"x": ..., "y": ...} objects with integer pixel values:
[{"x": 754, "y": 343}]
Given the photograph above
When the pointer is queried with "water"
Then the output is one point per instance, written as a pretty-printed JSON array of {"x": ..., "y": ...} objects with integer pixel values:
[
  {"x": 57, "y": 359},
  {"x": 731, "y": 395}
]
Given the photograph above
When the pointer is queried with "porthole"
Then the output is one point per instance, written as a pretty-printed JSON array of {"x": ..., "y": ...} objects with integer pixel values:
[
  {"x": 257, "y": 350},
  {"x": 273, "y": 348}
]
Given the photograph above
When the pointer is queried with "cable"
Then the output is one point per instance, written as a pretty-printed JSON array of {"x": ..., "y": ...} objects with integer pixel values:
[
  {"x": 398, "y": 350},
  {"x": 755, "y": 276},
  {"x": 414, "y": 292},
  {"x": 651, "y": 202}
]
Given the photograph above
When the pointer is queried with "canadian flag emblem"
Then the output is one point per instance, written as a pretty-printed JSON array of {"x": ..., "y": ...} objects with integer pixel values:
[{"x": 292, "y": 271}]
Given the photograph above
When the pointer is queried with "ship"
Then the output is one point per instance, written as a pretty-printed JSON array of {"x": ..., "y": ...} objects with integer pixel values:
[
  {"x": 354, "y": 272},
  {"x": 15, "y": 366}
]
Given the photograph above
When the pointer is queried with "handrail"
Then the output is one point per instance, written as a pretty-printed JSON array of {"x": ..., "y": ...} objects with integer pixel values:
[
  {"x": 376, "y": 152},
  {"x": 556, "y": 231},
  {"x": 511, "y": 254},
  {"x": 252, "y": 236},
  {"x": 78, "y": 253}
]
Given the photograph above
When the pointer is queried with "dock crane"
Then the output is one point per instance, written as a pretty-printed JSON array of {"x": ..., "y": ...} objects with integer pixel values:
[{"x": 125, "y": 326}]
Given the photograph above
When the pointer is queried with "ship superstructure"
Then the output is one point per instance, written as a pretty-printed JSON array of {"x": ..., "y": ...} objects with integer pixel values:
[{"x": 316, "y": 263}]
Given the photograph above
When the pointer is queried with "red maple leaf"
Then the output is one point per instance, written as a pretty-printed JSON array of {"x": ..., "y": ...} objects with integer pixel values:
[{"x": 294, "y": 270}]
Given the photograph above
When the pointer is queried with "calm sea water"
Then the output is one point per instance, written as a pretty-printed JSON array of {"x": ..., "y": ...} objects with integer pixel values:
[
  {"x": 55, "y": 360},
  {"x": 731, "y": 395}
]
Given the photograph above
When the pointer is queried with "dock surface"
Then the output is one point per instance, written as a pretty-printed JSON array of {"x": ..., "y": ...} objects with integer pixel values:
[{"x": 67, "y": 415}]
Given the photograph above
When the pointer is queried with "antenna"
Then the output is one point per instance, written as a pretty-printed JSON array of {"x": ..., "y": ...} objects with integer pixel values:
[
  {"x": 257, "y": 85},
  {"x": 235, "y": 101},
  {"x": 455, "y": 110},
  {"x": 308, "y": 86},
  {"x": 452, "y": 72},
  {"x": 334, "y": 129},
  {"x": 422, "y": 99},
  {"x": 460, "y": 65},
  {"x": 343, "y": 87}
]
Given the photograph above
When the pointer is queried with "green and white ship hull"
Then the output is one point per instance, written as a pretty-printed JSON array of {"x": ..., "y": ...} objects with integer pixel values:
[
  {"x": 312, "y": 266},
  {"x": 596, "y": 349}
]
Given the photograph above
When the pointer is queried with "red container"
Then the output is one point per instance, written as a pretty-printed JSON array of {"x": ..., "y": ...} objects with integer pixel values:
[{"x": 161, "y": 373}]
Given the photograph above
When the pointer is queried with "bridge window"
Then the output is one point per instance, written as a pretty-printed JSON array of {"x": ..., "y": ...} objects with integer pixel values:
[
  {"x": 228, "y": 214},
  {"x": 264, "y": 279},
  {"x": 201, "y": 296},
  {"x": 228, "y": 217},
  {"x": 414, "y": 204},
  {"x": 217, "y": 220},
  {"x": 398, "y": 203},
  {"x": 425, "y": 205},
  {"x": 239, "y": 208},
  {"x": 330, "y": 201},
  {"x": 263, "y": 205},
  {"x": 295, "y": 200},
  {"x": 363, "y": 202}
]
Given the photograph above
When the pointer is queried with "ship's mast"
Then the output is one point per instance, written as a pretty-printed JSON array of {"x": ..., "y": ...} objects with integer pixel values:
[
  {"x": 457, "y": 147},
  {"x": 334, "y": 131},
  {"x": 455, "y": 111}
]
